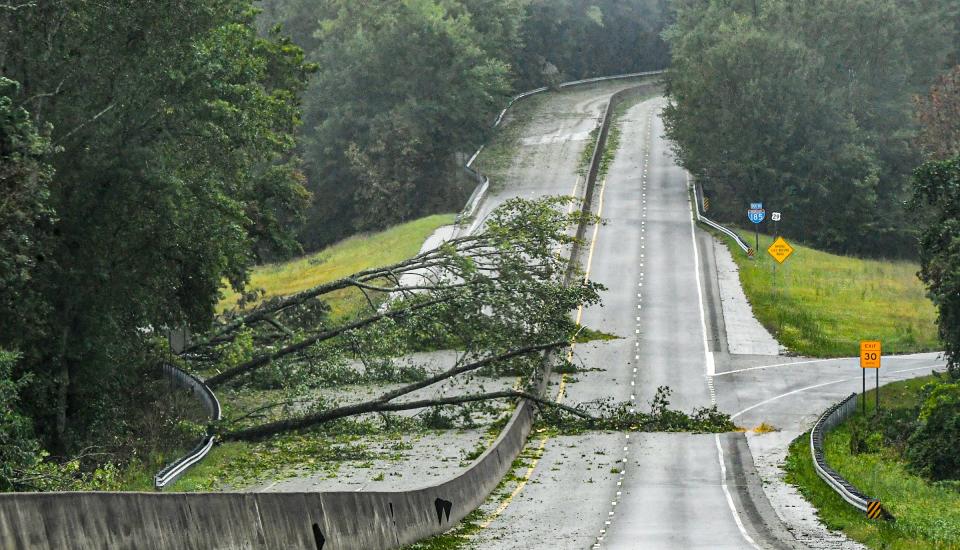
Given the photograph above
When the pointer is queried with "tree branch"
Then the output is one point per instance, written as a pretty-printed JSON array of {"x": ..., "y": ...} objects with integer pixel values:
[
  {"x": 425, "y": 260},
  {"x": 106, "y": 110},
  {"x": 262, "y": 360},
  {"x": 266, "y": 430},
  {"x": 467, "y": 368}
]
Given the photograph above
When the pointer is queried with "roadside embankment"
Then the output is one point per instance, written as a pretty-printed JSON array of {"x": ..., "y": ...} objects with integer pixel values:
[
  {"x": 819, "y": 304},
  {"x": 869, "y": 452}
]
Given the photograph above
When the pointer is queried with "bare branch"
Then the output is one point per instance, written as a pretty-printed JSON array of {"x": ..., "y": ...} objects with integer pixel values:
[
  {"x": 266, "y": 430},
  {"x": 262, "y": 360},
  {"x": 106, "y": 110},
  {"x": 467, "y": 368},
  {"x": 12, "y": 7},
  {"x": 279, "y": 326}
]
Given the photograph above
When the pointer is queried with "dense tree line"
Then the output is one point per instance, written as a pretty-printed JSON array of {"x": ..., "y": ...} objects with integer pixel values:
[
  {"x": 150, "y": 153},
  {"x": 807, "y": 106},
  {"x": 936, "y": 203},
  {"x": 404, "y": 86},
  {"x": 147, "y": 155}
]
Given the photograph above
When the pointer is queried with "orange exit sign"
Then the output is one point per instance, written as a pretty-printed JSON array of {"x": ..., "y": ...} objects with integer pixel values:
[{"x": 870, "y": 354}]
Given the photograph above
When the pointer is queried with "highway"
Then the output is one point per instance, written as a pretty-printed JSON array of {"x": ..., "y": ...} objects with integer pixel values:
[
  {"x": 668, "y": 491},
  {"x": 665, "y": 303}
]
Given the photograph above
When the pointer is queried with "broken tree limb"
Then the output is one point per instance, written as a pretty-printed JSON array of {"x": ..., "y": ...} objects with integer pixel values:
[
  {"x": 468, "y": 368},
  {"x": 265, "y": 359},
  {"x": 425, "y": 260},
  {"x": 266, "y": 430}
]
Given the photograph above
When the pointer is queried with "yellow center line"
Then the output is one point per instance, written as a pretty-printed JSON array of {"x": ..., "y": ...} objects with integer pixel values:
[{"x": 563, "y": 378}]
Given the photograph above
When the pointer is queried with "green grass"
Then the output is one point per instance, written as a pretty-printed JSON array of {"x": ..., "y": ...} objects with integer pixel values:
[
  {"x": 927, "y": 515},
  {"x": 824, "y": 304},
  {"x": 238, "y": 464},
  {"x": 500, "y": 152},
  {"x": 458, "y": 537},
  {"x": 341, "y": 259}
]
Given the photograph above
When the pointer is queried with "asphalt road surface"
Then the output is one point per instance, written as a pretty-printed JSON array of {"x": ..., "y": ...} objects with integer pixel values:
[
  {"x": 662, "y": 490},
  {"x": 666, "y": 491}
]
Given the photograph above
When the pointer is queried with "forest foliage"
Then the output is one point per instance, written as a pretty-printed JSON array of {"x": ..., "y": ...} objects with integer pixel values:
[
  {"x": 807, "y": 106},
  {"x": 405, "y": 88},
  {"x": 153, "y": 152},
  {"x": 147, "y": 156}
]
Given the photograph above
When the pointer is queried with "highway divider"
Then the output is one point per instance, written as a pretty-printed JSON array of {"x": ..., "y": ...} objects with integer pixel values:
[
  {"x": 332, "y": 520},
  {"x": 847, "y": 491}
]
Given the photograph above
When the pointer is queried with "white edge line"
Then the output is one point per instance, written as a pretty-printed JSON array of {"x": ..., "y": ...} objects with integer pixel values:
[
  {"x": 761, "y": 367},
  {"x": 711, "y": 366},
  {"x": 726, "y": 491},
  {"x": 815, "y": 386}
]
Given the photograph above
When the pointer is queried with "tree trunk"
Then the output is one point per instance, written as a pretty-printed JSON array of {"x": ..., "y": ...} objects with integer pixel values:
[
  {"x": 266, "y": 430},
  {"x": 62, "y": 396},
  {"x": 262, "y": 360}
]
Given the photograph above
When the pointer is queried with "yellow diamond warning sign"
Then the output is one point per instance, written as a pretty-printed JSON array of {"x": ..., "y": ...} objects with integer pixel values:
[{"x": 780, "y": 250}]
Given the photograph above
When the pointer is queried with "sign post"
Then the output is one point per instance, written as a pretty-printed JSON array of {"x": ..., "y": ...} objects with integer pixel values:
[
  {"x": 755, "y": 214},
  {"x": 870, "y": 359},
  {"x": 780, "y": 250}
]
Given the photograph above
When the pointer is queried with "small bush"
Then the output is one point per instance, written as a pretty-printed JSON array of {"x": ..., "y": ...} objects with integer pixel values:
[
  {"x": 934, "y": 448},
  {"x": 19, "y": 450}
]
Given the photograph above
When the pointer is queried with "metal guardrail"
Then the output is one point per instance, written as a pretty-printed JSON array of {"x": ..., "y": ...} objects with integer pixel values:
[
  {"x": 698, "y": 199},
  {"x": 483, "y": 182},
  {"x": 847, "y": 491},
  {"x": 208, "y": 399},
  {"x": 606, "y": 78}
]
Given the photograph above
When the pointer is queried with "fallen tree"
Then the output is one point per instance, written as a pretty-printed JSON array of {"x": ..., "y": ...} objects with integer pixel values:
[
  {"x": 502, "y": 299},
  {"x": 386, "y": 402}
]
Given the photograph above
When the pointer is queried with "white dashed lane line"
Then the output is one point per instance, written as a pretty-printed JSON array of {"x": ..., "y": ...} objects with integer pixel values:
[{"x": 633, "y": 380}]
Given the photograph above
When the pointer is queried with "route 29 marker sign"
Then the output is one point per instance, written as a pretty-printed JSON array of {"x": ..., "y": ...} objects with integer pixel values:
[{"x": 780, "y": 250}]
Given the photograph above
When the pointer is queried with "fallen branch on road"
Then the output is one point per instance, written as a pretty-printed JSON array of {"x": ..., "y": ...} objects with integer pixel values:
[{"x": 266, "y": 430}]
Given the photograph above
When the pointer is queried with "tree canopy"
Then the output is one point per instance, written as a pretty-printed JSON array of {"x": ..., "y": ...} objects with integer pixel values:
[
  {"x": 937, "y": 200},
  {"x": 170, "y": 164},
  {"x": 807, "y": 107},
  {"x": 406, "y": 88}
]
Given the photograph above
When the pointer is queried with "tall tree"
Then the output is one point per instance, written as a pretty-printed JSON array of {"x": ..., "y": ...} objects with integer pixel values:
[
  {"x": 25, "y": 213},
  {"x": 939, "y": 116},
  {"x": 585, "y": 38},
  {"x": 402, "y": 87},
  {"x": 937, "y": 200},
  {"x": 173, "y": 126}
]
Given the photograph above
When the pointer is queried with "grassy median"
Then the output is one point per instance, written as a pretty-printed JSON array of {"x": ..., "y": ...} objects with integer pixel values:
[
  {"x": 341, "y": 259},
  {"x": 821, "y": 305},
  {"x": 927, "y": 514}
]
